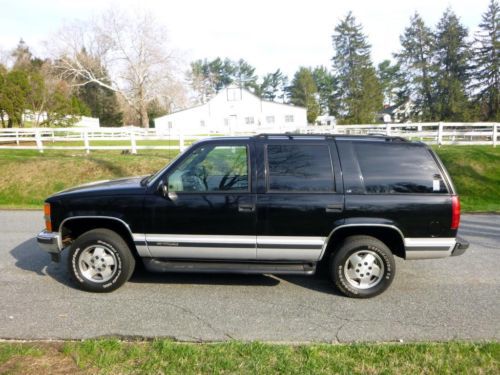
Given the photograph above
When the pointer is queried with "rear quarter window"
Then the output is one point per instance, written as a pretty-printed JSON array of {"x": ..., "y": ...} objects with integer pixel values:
[{"x": 392, "y": 168}]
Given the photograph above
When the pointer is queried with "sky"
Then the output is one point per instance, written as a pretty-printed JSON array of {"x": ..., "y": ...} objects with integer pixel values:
[{"x": 269, "y": 34}]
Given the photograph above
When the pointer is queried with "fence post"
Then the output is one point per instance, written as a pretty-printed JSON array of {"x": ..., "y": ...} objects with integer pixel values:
[
  {"x": 38, "y": 140},
  {"x": 86, "y": 141},
  {"x": 495, "y": 134},
  {"x": 133, "y": 143},
  {"x": 181, "y": 142},
  {"x": 53, "y": 136},
  {"x": 440, "y": 134},
  {"x": 388, "y": 129},
  {"x": 17, "y": 137}
]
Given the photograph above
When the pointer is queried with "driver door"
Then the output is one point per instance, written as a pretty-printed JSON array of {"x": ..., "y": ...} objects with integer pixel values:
[{"x": 210, "y": 209}]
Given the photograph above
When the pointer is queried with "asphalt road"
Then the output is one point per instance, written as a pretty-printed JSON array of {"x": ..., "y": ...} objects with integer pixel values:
[{"x": 447, "y": 299}]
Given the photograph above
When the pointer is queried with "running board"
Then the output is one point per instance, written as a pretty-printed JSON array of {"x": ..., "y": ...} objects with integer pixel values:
[{"x": 168, "y": 265}]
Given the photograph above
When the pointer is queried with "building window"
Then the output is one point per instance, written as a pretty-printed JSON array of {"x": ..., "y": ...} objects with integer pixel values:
[
  {"x": 289, "y": 118},
  {"x": 249, "y": 120},
  {"x": 170, "y": 124},
  {"x": 226, "y": 122},
  {"x": 270, "y": 119},
  {"x": 202, "y": 123},
  {"x": 233, "y": 94}
]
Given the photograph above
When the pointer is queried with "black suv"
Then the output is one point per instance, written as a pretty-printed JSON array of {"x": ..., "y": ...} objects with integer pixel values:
[{"x": 277, "y": 204}]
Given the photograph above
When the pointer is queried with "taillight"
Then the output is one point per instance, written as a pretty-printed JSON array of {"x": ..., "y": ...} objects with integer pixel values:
[
  {"x": 455, "y": 212},
  {"x": 46, "y": 216}
]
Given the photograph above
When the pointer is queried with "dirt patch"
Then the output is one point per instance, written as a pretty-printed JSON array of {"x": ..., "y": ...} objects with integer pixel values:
[{"x": 51, "y": 362}]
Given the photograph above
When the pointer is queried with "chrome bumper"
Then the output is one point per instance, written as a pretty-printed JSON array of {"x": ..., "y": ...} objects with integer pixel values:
[{"x": 51, "y": 243}]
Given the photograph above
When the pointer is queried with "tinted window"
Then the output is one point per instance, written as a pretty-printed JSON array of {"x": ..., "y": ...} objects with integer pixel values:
[
  {"x": 299, "y": 168},
  {"x": 398, "y": 168},
  {"x": 209, "y": 168}
]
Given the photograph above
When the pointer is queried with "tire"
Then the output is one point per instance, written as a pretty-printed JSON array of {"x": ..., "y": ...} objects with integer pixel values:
[
  {"x": 362, "y": 267},
  {"x": 100, "y": 261}
]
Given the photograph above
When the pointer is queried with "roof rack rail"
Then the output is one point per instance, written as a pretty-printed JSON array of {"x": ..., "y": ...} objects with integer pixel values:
[{"x": 291, "y": 135}]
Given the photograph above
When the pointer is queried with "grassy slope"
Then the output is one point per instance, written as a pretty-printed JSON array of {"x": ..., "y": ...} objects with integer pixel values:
[
  {"x": 28, "y": 177},
  {"x": 475, "y": 170},
  {"x": 112, "y": 356}
]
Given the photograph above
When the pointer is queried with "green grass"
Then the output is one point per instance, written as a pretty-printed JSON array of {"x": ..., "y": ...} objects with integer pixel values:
[
  {"x": 28, "y": 177},
  {"x": 475, "y": 170},
  {"x": 168, "y": 357}
]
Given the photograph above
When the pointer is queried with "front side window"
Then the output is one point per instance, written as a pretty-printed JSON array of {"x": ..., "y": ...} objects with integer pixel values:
[
  {"x": 302, "y": 168},
  {"x": 212, "y": 169}
]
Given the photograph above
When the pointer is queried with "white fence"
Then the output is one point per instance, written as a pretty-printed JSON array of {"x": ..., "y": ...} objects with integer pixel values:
[
  {"x": 440, "y": 133},
  {"x": 51, "y": 138}
]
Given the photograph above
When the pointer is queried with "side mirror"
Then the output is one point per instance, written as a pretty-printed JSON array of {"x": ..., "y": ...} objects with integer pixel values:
[{"x": 163, "y": 190}]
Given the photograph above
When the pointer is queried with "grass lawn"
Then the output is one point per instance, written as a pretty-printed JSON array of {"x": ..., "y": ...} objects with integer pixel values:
[
  {"x": 475, "y": 170},
  {"x": 167, "y": 357},
  {"x": 28, "y": 177}
]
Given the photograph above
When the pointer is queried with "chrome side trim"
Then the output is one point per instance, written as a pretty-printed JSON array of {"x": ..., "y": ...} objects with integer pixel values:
[
  {"x": 289, "y": 248},
  {"x": 357, "y": 225},
  {"x": 232, "y": 247},
  {"x": 142, "y": 250},
  {"x": 200, "y": 239},
  {"x": 201, "y": 246},
  {"x": 429, "y": 248}
]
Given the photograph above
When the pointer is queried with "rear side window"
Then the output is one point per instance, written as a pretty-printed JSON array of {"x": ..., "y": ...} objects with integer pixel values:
[
  {"x": 299, "y": 167},
  {"x": 398, "y": 168}
]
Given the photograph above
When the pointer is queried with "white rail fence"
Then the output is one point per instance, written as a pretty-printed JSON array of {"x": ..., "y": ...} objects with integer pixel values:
[{"x": 81, "y": 139}]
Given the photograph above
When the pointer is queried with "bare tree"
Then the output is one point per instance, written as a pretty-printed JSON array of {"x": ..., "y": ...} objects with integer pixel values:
[{"x": 122, "y": 52}]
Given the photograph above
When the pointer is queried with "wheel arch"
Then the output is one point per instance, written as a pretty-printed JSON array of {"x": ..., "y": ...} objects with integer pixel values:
[
  {"x": 388, "y": 234},
  {"x": 72, "y": 227}
]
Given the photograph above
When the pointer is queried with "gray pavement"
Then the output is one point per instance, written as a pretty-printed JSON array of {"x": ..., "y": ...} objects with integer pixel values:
[{"x": 447, "y": 299}]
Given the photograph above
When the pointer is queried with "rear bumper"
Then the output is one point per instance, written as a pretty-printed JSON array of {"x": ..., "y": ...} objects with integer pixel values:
[
  {"x": 460, "y": 247},
  {"x": 51, "y": 243}
]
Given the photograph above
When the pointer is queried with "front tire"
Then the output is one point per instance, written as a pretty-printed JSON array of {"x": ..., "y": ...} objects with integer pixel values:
[
  {"x": 100, "y": 261},
  {"x": 362, "y": 267}
]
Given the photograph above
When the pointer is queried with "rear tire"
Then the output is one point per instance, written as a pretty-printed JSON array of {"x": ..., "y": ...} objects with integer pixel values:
[
  {"x": 362, "y": 267},
  {"x": 100, "y": 261}
]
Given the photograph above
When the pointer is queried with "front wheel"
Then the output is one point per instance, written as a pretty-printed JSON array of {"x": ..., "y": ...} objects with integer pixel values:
[
  {"x": 100, "y": 261},
  {"x": 362, "y": 267}
]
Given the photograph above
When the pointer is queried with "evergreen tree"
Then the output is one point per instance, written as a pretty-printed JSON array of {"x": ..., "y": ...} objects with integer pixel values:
[
  {"x": 487, "y": 63},
  {"x": 22, "y": 56},
  {"x": 326, "y": 84},
  {"x": 452, "y": 69},
  {"x": 273, "y": 86},
  {"x": 303, "y": 92},
  {"x": 359, "y": 94},
  {"x": 207, "y": 78},
  {"x": 392, "y": 82},
  {"x": 13, "y": 95},
  {"x": 415, "y": 58}
]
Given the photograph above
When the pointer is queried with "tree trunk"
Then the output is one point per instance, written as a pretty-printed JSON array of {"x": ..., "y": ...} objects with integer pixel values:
[{"x": 144, "y": 116}]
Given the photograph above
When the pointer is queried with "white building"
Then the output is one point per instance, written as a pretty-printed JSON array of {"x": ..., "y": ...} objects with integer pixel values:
[{"x": 234, "y": 110}]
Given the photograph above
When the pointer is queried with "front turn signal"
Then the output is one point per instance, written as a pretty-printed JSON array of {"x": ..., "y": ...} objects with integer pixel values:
[{"x": 46, "y": 216}]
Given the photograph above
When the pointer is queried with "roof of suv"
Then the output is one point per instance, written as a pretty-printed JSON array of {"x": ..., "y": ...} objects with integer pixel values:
[{"x": 292, "y": 136}]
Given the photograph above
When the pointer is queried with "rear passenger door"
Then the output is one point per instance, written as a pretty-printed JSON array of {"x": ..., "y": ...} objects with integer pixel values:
[{"x": 299, "y": 198}]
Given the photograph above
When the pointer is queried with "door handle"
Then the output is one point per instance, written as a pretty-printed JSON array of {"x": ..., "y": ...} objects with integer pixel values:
[
  {"x": 339, "y": 207},
  {"x": 246, "y": 208}
]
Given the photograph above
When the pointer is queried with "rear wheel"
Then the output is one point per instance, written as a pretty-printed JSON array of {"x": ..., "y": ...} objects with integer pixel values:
[
  {"x": 362, "y": 267},
  {"x": 100, "y": 261}
]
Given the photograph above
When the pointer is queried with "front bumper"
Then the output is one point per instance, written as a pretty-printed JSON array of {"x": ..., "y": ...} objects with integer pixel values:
[
  {"x": 51, "y": 243},
  {"x": 460, "y": 247}
]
